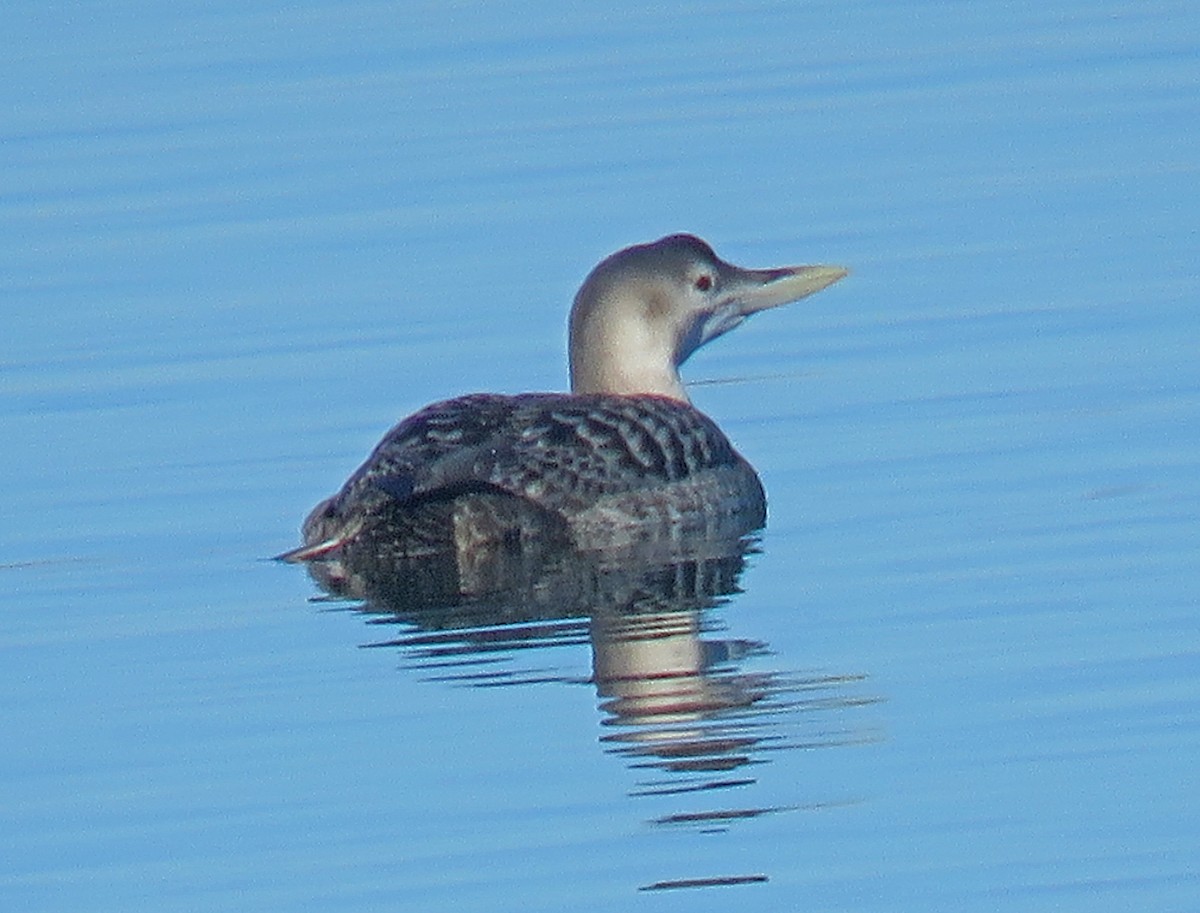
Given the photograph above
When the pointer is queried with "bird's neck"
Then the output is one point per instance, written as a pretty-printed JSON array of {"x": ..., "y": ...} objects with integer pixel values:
[{"x": 623, "y": 356}]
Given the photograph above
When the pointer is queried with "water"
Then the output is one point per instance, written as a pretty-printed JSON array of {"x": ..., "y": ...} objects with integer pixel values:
[{"x": 961, "y": 669}]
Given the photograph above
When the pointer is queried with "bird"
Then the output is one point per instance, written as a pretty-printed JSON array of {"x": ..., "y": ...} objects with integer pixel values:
[{"x": 623, "y": 458}]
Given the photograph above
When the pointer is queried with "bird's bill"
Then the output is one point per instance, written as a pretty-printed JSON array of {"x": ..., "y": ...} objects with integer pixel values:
[{"x": 759, "y": 289}]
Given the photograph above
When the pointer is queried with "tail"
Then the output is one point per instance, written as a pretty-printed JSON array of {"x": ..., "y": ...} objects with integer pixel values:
[
  {"x": 313, "y": 551},
  {"x": 323, "y": 532}
]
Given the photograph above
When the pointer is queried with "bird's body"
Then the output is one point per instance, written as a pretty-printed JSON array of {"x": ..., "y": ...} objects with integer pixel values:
[
  {"x": 622, "y": 458},
  {"x": 595, "y": 470}
]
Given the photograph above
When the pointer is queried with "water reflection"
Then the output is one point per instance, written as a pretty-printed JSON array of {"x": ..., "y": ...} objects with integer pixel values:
[{"x": 678, "y": 703}]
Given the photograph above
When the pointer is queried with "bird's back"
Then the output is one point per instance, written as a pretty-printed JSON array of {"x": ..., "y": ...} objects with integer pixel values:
[{"x": 596, "y": 470}]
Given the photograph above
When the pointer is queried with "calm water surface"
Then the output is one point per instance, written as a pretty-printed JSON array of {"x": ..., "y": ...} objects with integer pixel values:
[{"x": 960, "y": 669}]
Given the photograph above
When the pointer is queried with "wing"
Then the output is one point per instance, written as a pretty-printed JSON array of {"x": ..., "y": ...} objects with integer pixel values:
[{"x": 559, "y": 451}]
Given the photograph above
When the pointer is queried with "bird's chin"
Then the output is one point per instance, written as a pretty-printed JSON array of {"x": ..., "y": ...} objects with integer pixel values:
[{"x": 708, "y": 325}]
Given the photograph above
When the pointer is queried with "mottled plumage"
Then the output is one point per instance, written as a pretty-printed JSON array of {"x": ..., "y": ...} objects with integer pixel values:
[{"x": 597, "y": 469}]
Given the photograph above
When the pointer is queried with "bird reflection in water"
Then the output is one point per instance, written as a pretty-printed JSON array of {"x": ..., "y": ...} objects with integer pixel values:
[
  {"x": 677, "y": 702},
  {"x": 680, "y": 704}
]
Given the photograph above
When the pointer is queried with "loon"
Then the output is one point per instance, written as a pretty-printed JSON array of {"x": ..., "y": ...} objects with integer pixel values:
[{"x": 624, "y": 457}]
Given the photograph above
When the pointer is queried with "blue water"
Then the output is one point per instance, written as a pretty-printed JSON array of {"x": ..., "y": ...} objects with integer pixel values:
[{"x": 237, "y": 243}]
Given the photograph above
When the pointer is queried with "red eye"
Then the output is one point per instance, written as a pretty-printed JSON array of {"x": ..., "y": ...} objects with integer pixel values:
[{"x": 704, "y": 283}]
